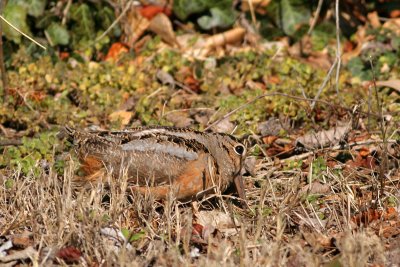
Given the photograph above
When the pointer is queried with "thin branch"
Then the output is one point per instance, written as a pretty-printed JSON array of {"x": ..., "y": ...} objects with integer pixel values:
[
  {"x": 10, "y": 142},
  {"x": 23, "y": 34},
  {"x": 2, "y": 66},
  {"x": 383, "y": 167},
  {"x": 314, "y": 21},
  {"x": 338, "y": 47},
  {"x": 128, "y": 5},
  {"x": 337, "y": 63}
]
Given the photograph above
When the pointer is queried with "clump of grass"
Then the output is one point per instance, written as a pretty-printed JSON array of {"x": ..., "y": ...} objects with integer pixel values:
[{"x": 45, "y": 205}]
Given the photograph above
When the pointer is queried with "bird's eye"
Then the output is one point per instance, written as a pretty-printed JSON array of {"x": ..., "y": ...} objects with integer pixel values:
[{"x": 239, "y": 149}]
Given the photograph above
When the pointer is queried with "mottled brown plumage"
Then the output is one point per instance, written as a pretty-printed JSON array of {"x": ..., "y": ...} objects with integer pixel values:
[{"x": 158, "y": 159}]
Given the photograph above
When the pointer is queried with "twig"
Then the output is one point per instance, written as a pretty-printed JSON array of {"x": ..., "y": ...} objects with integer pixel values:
[
  {"x": 23, "y": 34},
  {"x": 252, "y": 13},
  {"x": 338, "y": 47},
  {"x": 337, "y": 63},
  {"x": 323, "y": 84},
  {"x": 314, "y": 21},
  {"x": 128, "y": 5},
  {"x": 10, "y": 142},
  {"x": 2, "y": 66},
  {"x": 65, "y": 12},
  {"x": 383, "y": 168}
]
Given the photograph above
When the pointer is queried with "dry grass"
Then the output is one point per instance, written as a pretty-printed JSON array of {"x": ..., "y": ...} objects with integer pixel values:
[{"x": 283, "y": 226}]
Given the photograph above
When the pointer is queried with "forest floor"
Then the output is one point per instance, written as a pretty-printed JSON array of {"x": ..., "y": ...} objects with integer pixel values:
[{"x": 322, "y": 171}]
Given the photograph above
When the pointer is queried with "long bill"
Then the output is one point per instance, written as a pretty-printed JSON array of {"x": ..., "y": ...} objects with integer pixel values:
[{"x": 238, "y": 180}]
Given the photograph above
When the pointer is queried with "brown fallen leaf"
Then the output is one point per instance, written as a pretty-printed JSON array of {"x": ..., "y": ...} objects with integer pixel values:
[
  {"x": 363, "y": 159},
  {"x": 224, "y": 126},
  {"x": 229, "y": 37},
  {"x": 317, "y": 240},
  {"x": 115, "y": 51},
  {"x": 217, "y": 219},
  {"x": 180, "y": 119},
  {"x": 316, "y": 188},
  {"x": 394, "y": 84},
  {"x": 373, "y": 18},
  {"x": 28, "y": 253},
  {"x": 22, "y": 241},
  {"x": 162, "y": 26},
  {"x": 69, "y": 255},
  {"x": 258, "y": 5},
  {"x": 121, "y": 115},
  {"x": 133, "y": 26},
  {"x": 324, "y": 138},
  {"x": 150, "y": 11},
  {"x": 393, "y": 24},
  {"x": 370, "y": 215},
  {"x": 273, "y": 126}
]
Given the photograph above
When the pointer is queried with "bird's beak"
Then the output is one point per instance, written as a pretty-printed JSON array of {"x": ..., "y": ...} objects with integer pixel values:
[{"x": 238, "y": 180}]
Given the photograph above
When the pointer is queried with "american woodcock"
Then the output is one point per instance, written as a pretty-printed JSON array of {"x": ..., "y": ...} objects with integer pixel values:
[{"x": 159, "y": 159}]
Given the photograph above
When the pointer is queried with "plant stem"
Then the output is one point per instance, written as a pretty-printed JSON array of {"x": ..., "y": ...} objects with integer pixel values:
[{"x": 2, "y": 66}]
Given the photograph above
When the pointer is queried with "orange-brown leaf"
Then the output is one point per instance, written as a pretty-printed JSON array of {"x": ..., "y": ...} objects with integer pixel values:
[
  {"x": 116, "y": 50},
  {"x": 151, "y": 11}
]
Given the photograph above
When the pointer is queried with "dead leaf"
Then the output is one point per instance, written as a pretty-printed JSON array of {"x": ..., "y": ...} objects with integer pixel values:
[
  {"x": 192, "y": 83},
  {"x": 121, "y": 115},
  {"x": 270, "y": 139},
  {"x": 133, "y": 26},
  {"x": 393, "y": 24},
  {"x": 317, "y": 240},
  {"x": 116, "y": 50},
  {"x": 394, "y": 84},
  {"x": 22, "y": 241},
  {"x": 324, "y": 138},
  {"x": 363, "y": 160},
  {"x": 224, "y": 126},
  {"x": 258, "y": 6},
  {"x": 165, "y": 78},
  {"x": 150, "y": 11},
  {"x": 272, "y": 127},
  {"x": 28, "y": 253},
  {"x": 373, "y": 18},
  {"x": 162, "y": 26},
  {"x": 63, "y": 55},
  {"x": 370, "y": 215},
  {"x": 316, "y": 188},
  {"x": 179, "y": 119},
  {"x": 229, "y": 37},
  {"x": 69, "y": 255},
  {"x": 217, "y": 219},
  {"x": 202, "y": 232},
  {"x": 364, "y": 152},
  {"x": 394, "y": 13}
]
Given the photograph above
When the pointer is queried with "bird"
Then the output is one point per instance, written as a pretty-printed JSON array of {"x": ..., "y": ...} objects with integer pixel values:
[{"x": 158, "y": 159}]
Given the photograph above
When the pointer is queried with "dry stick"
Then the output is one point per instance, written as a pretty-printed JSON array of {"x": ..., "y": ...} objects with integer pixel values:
[
  {"x": 65, "y": 12},
  {"x": 336, "y": 63},
  {"x": 128, "y": 5},
  {"x": 22, "y": 33},
  {"x": 383, "y": 168},
  {"x": 314, "y": 21},
  {"x": 338, "y": 47},
  {"x": 2, "y": 66},
  {"x": 252, "y": 13}
]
